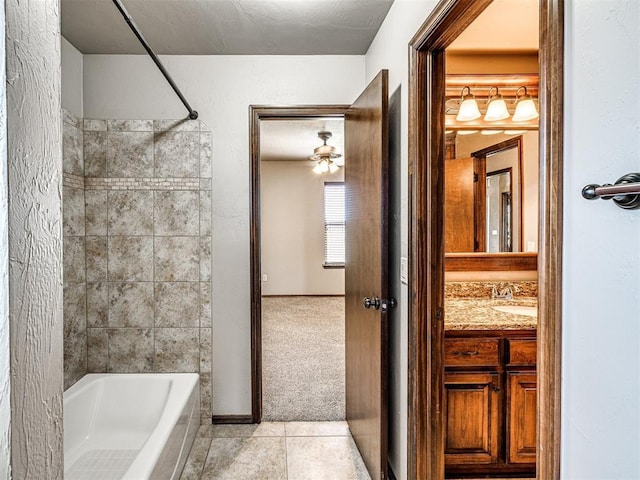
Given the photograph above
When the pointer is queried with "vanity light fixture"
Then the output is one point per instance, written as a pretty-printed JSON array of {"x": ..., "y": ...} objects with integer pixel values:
[
  {"x": 525, "y": 107},
  {"x": 325, "y": 156},
  {"x": 490, "y": 132},
  {"x": 514, "y": 132},
  {"x": 496, "y": 108},
  {"x": 467, "y": 132},
  {"x": 468, "y": 109}
]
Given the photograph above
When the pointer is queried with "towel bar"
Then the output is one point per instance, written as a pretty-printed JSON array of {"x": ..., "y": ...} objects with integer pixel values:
[{"x": 625, "y": 193}]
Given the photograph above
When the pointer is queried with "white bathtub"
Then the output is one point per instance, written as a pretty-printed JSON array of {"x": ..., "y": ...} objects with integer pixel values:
[{"x": 130, "y": 426}]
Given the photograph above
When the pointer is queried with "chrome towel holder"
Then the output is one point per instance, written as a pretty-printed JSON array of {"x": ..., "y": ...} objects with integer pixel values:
[{"x": 625, "y": 193}]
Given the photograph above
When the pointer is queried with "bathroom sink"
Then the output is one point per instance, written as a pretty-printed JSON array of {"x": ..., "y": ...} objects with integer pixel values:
[{"x": 518, "y": 310}]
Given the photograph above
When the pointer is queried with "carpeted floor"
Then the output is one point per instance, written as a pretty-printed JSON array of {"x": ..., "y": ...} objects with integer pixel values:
[{"x": 303, "y": 359}]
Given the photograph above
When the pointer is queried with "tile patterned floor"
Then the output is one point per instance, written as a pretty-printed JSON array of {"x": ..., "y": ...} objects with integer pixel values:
[{"x": 275, "y": 451}]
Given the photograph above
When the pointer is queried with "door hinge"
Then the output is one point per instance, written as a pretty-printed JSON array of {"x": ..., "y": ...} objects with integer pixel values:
[
  {"x": 475, "y": 177},
  {"x": 476, "y": 245},
  {"x": 438, "y": 313}
]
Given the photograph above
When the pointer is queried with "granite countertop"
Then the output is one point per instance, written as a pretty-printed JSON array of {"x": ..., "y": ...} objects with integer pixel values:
[{"x": 479, "y": 314}]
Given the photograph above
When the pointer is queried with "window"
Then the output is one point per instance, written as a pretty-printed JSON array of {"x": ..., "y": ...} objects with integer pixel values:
[{"x": 334, "y": 224}]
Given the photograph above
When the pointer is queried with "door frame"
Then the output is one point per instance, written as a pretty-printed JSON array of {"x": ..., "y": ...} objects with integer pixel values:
[
  {"x": 426, "y": 246},
  {"x": 256, "y": 114}
]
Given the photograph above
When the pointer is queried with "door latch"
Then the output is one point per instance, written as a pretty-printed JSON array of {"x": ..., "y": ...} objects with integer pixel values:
[
  {"x": 371, "y": 303},
  {"x": 387, "y": 303},
  {"x": 382, "y": 304}
]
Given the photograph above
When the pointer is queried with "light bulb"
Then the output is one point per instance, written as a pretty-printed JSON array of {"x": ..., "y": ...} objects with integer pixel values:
[
  {"x": 324, "y": 166},
  {"x": 317, "y": 170},
  {"x": 497, "y": 108},
  {"x": 333, "y": 168},
  {"x": 525, "y": 110},
  {"x": 468, "y": 108}
]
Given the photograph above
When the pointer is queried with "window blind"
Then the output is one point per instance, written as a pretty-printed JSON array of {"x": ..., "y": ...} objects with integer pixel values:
[{"x": 334, "y": 223}]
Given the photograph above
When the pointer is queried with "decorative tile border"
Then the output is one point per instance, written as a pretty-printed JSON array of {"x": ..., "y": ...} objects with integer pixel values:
[
  {"x": 101, "y": 183},
  {"x": 72, "y": 181}
]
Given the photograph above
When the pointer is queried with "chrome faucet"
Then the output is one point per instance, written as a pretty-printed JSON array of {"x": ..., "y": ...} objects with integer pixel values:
[{"x": 505, "y": 293}]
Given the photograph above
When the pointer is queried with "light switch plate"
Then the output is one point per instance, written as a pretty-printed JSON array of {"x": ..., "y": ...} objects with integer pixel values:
[{"x": 404, "y": 270}]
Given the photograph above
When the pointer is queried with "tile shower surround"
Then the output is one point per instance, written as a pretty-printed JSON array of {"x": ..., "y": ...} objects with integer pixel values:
[
  {"x": 74, "y": 288},
  {"x": 147, "y": 262}
]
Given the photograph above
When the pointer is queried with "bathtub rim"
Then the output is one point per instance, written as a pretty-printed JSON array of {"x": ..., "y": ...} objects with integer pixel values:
[{"x": 182, "y": 387}]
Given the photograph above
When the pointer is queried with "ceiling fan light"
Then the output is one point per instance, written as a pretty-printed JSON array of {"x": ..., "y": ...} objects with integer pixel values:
[
  {"x": 339, "y": 161},
  {"x": 468, "y": 108},
  {"x": 324, "y": 150},
  {"x": 324, "y": 155}
]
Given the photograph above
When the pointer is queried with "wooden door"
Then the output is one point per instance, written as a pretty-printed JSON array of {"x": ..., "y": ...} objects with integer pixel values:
[
  {"x": 460, "y": 222},
  {"x": 366, "y": 186},
  {"x": 471, "y": 418},
  {"x": 521, "y": 417}
]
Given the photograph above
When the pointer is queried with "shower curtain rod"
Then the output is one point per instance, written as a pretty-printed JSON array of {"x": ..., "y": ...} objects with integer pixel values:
[{"x": 134, "y": 28}]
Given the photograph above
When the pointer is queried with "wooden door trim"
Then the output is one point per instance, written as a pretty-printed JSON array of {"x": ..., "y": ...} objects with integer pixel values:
[
  {"x": 426, "y": 255},
  {"x": 257, "y": 113}
]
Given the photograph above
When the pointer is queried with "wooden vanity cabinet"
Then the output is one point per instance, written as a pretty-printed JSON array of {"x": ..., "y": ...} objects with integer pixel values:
[
  {"x": 521, "y": 422},
  {"x": 490, "y": 403},
  {"x": 472, "y": 418},
  {"x": 521, "y": 400}
]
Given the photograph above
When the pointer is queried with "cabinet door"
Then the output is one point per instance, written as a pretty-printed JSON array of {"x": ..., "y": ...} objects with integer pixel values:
[
  {"x": 472, "y": 410},
  {"x": 521, "y": 417}
]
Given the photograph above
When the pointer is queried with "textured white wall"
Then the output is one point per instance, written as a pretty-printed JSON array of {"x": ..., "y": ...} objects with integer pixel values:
[
  {"x": 5, "y": 404},
  {"x": 221, "y": 88},
  {"x": 601, "y": 324},
  {"x": 390, "y": 50},
  {"x": 72, "y": 61},
  {"x": 34, "y": 139},
  {"x": 292, "y": 218}
]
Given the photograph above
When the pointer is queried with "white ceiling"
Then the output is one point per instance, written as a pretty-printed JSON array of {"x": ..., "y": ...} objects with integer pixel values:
[
  {"x": 294, "y": 140},
  {"x": 505, "y": 26},
  {"x": 226, "y": 27}
]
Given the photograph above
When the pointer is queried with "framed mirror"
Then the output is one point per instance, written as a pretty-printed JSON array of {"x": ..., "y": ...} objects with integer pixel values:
[
  {"x": 491, "y": 180},
  {"x": 498, "y": 200}
]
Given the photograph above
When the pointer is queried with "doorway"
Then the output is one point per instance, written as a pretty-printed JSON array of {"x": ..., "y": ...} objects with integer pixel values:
[
  {"x": 261, "y": 114},
  {"x": 427, "y": 147},
  {"x": 302, "y": 269},
  {"x": 367, "y": 300}
]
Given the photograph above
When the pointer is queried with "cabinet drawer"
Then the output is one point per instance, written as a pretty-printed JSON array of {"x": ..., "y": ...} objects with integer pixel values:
[
  {"x": 521, "y": 352},
  {"x": 462, "y": 352}
]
